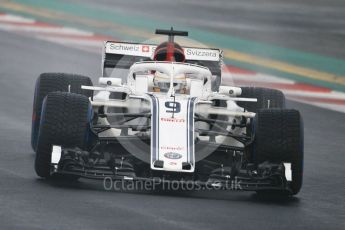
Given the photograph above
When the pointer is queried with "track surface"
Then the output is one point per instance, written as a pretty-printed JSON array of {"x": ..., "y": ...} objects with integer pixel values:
[
  {"x": 28, "y": 202},
  {"x": 315, "y": 26}
]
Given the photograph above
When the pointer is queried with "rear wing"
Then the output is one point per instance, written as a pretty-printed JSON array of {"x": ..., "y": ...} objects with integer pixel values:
[{"x": 122, "y": 55}]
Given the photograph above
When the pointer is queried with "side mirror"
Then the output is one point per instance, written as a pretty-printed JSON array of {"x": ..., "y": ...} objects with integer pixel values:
[
  {"x": 230, "y": 91},
  {"x": 110, "y": 81}
]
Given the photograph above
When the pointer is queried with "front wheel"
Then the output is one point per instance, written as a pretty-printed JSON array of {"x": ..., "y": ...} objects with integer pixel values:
[
  {"x": 65, "y": 122},
  {"x": 279, "y": 138}
]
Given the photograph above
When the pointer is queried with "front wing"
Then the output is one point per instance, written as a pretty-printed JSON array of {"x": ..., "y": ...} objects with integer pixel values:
[{"x": 101, "y": 166}]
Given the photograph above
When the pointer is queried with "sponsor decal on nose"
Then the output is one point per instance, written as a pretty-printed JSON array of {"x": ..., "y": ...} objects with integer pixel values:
[
  {"x": 172, "y": 155},
  {"x": 176, "y": 120},
  {"x": 178, "y": 148}
]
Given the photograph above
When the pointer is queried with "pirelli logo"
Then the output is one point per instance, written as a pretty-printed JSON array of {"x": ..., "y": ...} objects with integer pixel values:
[{"x": 175, "y": 120}]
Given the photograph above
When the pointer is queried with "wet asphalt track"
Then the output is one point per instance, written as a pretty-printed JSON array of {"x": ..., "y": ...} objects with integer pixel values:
[
  {"x": 28, "y": 202},
  {"x": 316, "y": 26}
]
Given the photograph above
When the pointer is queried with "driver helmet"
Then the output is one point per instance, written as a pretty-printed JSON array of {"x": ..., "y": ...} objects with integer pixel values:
[{"x": 161, "y": 52}]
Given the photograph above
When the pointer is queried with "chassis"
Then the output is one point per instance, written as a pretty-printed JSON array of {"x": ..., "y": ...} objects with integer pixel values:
[{"x": 228, "y": 145}]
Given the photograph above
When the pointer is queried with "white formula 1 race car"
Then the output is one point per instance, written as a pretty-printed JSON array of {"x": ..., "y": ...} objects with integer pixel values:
[{"x": 169, "y": 119}]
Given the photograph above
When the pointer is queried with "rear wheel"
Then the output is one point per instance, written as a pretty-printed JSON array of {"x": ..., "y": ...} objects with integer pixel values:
[
  {"x": 65, "y": 121},
  {"x": 279, "y": 138},
  {"x": 52, "y": 82},
  {"x": 267, "y": 98}
]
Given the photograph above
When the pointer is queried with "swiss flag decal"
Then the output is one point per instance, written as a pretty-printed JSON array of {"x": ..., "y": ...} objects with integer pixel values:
[{"x": 145, "y": 48}]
